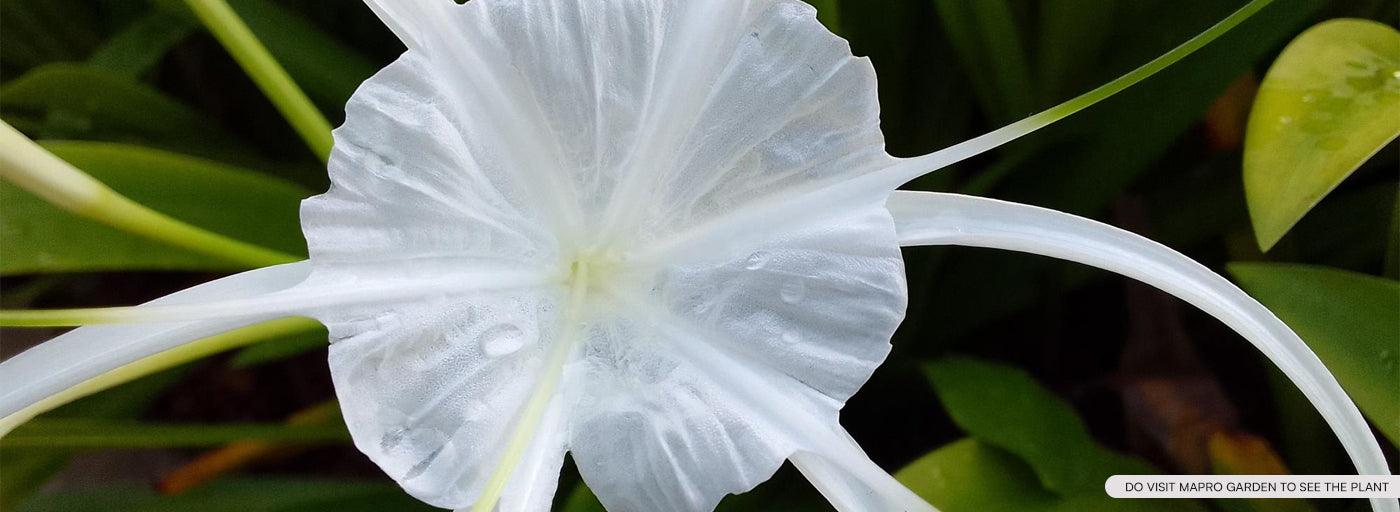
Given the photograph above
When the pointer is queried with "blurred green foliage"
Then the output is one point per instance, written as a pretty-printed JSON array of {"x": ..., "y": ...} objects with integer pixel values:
[{"x": 135, "y": 93}]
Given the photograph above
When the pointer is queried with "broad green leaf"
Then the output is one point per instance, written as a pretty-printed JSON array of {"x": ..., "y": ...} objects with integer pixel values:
[
  {"x": 142, "y": 44},
  {"x": 1350, "y": 320},
  {"x": 972, "y": 476},
  {"x": 38, "y": 238},
  {"x": 76, "y": 101},
  {"x": 242, "y": 495},
  {"x": 90, "y": 434},
  {"x": 1330, "y": 101},
  {"x": 968, "y": 475},
  {"x": 1003, "y": 407}
]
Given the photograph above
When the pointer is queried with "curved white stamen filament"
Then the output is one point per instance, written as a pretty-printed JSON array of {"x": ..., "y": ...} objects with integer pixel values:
[
  {"x": 17, "y": 408},
  {"x": 82, "y": 354},
  {"x": 844, "y": 475},
  {"x": 300, "y": 300},
  {"x": 911, "y": 168},
  {"x": 533, "y": 412},
  {"x": 924, "y": 218}
]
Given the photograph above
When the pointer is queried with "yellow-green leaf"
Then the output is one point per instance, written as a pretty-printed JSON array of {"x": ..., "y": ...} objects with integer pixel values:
[{"x": 1330, "y": 101}]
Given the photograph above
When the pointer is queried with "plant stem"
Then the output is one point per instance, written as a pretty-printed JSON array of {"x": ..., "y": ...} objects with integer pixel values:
[
  {"x": 33, "y": 168},
  {"x": 243, "y": 45},
  {"x": 164, "y": 360}
]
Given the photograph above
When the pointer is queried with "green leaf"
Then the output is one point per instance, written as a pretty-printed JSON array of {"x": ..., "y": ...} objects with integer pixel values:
[
  {"x": 582, "y": 499},
  {"x": 1003, "y": 407},
  {"x": 327, "y": 69},
  {"x": 142, "y": 44},
  {"x": 1348, "y": 319},
  {"x": 1073, "y": 34},
  {"x": 968, "y": 475},
  {"x": 972, "y": 476},
  {"x": 25, "y": 471},
  {"x": 75, "y": 101},
  {"x": 38, "y": 238},
  {"x": 88, "y": 434},
  {"x": 238, "y": 495},
  {"x": 1330, "y": 101},
  {"x": 281, "y": 348},
  {"x": 988, "y": 43},
  {"x": 829, "y": 13}
]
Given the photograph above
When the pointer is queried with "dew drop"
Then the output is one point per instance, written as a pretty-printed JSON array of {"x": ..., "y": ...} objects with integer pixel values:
[
  {"x": 1285, "y": 119},
  {"x": 790, "y": 337},
  {"x": 757, "y": 260},
  {"x": 502, "y": 340},
  {"x": 793, "y": 291}
]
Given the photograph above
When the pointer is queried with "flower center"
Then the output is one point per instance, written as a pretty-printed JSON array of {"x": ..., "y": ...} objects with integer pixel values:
[{"x": 593, "y": 270}]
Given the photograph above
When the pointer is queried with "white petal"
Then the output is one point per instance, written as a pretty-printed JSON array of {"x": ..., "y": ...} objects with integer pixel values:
[
  {"x": 87, "y": 352},
  {"x": 733, "y": 365},
  {"x": 924, "y": 218},
  {"x": 431, "y": 389},
  {"x": 556, "y": 128},
  {"x": 633, "y": 118}
]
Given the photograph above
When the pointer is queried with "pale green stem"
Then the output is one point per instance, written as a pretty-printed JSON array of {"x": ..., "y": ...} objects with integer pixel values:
[
  {"x": 533, "y": 411},
  {"x": 238, "y": 39},
  {"x": 33, "y": 168},
  {"x": 164, "y": 360},
  {"x": 915, "y": 167}
]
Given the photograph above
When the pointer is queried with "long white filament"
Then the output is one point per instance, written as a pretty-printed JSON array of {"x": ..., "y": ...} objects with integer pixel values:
[
  {"x": 84, "y": 353},
  {"x": 925, "y": 218},
  {"x": 306, "y": 299}
]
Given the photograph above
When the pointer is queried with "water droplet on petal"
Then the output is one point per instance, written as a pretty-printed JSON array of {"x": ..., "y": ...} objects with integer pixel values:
[
  {"x": 502, "y": 340},
  {"x": 791, "y": 337},
  {"x": 757, "y": 260},
  {"x": 793, "y": 291}
]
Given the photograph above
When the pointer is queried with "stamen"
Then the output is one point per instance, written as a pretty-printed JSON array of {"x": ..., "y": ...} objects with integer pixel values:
[
  {"x": 926, "y": 218},
  {"x": 912, "y": 168},
  {"x": 300, "y": 300}
]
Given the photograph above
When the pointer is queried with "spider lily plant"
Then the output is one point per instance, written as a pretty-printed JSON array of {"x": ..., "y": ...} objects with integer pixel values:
[{"x": 662, "y": 236}]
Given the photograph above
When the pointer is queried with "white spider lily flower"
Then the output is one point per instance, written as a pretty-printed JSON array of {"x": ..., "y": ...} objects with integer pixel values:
[{"x": 662, "y": 236}]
